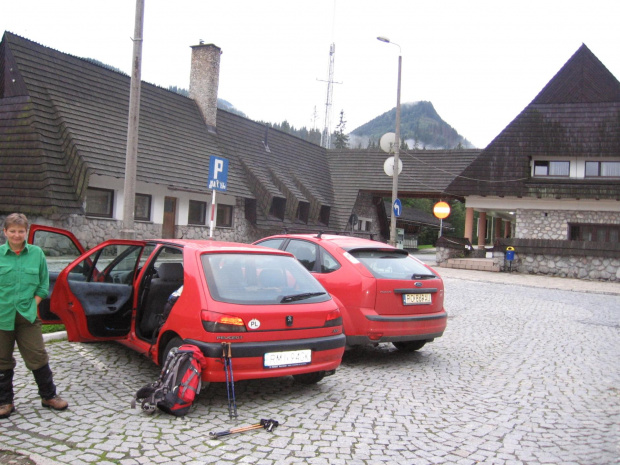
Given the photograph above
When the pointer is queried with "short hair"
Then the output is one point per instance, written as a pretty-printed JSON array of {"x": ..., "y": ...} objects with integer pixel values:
[{"x": 15, "y": 219}]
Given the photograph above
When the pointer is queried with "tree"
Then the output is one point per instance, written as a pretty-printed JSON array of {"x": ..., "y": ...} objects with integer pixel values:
[{"x": 341, "y": 140}]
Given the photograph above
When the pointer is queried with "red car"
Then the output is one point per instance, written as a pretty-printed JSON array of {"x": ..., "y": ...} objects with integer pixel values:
[
  {"x": 385, "y": 294},
  {"x": 279, "y": 320}
]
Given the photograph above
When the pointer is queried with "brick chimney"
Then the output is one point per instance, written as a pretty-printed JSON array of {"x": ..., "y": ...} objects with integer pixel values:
[{"x": 204, "y": 79}]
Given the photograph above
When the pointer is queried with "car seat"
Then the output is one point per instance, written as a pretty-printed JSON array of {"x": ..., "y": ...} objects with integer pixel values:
[{"x": 169, "y": 279}]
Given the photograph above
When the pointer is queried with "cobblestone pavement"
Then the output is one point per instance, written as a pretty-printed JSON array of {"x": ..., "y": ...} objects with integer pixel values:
[{"x": 523, "y": 375}]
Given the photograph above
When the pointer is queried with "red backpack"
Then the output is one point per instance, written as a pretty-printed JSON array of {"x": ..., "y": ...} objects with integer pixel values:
[{"x": 178, "y": 385}]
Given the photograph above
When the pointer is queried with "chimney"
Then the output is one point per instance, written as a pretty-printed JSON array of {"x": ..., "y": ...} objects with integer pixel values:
[{"x": 204, "y": 79}]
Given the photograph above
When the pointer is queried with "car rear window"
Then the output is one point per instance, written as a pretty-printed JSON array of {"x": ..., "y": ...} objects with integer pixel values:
[
  {"x": 390, "y": 264},
  {"x": 260, "y": 279}
]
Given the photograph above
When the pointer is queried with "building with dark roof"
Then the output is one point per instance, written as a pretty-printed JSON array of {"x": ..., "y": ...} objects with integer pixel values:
[
  {"x": 63, "y": 136},
  {"x": 551, "y": 179}
]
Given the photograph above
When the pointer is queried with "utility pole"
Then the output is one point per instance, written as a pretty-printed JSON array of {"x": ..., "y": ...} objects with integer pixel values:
[{"x": 131, "y": 158}]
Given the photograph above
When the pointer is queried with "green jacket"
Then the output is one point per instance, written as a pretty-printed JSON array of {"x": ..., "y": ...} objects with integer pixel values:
[{"x": 21, "y": 278}]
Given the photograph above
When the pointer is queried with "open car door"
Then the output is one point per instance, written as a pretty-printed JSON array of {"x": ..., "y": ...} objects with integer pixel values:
[
  {"x": 60, "y": 248},
  {"x": 94, "y": 295}
]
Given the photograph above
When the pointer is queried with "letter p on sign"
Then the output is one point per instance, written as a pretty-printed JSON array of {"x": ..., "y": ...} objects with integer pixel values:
[{"x": 218, "y": 173}]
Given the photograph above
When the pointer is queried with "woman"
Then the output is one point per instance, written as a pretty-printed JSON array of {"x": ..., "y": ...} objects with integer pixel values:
[{"x": 24, "y": 282}]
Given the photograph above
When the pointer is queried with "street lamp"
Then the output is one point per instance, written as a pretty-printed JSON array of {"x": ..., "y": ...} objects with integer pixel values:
[{"x": 396, "y": 145}]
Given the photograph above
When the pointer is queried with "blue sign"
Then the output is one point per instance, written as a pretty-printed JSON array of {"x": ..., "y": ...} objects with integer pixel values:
[
  {"x": 218, "y": 174},
  {"x": 397, "y": 208}
]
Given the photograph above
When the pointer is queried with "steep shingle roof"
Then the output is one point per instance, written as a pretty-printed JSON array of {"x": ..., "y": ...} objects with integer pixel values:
[
  {"x": 84, "y": 106},
  {"x": 576, "y": 115},
  {"x": 278, "y": 165},
  {"x": 426, "y": 173}
]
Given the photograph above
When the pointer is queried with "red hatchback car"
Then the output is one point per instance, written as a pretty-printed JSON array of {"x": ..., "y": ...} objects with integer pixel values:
[
  {"x": 279, "y": 320},
  {"x": 385, "y": 294}
]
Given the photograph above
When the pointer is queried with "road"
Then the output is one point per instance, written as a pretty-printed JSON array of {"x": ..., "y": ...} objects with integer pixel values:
[{"x": 523, "y": 375}]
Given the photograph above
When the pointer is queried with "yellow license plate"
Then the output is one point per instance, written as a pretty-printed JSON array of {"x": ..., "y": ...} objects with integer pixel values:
[{"x": 416, "y": 299}]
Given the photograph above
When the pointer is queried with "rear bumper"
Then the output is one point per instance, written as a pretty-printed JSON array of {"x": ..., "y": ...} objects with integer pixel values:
[
  {"x": 259, "y": 349},
  {"x": 247, "y": 357},
  {"x": 382, "y": 328}
]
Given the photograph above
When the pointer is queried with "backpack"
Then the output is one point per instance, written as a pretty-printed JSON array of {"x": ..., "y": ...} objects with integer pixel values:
[{"x": 178, "y": 385}]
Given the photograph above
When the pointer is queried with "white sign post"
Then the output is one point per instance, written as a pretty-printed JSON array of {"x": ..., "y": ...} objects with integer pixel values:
[{"x": 218, "y": 181}]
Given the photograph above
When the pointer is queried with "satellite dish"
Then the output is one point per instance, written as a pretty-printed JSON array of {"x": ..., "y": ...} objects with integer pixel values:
[
  {"x": 388, "y": 166},
  {"x": 387, "y": 142}
]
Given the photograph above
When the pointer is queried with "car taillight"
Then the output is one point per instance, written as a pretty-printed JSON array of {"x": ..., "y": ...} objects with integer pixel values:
[
  {"x": 334, "y": 318},
  {"x": 222, "y": 323}
]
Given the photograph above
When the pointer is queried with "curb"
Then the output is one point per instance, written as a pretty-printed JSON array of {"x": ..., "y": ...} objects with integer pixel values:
[{"x": 58, "y": 336}]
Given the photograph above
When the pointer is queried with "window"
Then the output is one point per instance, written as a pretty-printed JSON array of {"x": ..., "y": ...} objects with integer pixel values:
[
  {"x": 551, "y": 168},
  {"x": 594, "y": 232},
  {"x": 142, "y": 207},
  {"x": 250, "y": 210},
  {"x": 363, "y": 224},
  {"x": 303, "y": 211},
  {"x": 324, "y": 215},
  {"x": 305, "y": 252},
  {"x": 99, "y": 202},
  {"x": 224, "y": 216},
  {"x": 603, "y": 169},
  {"x": 197, "y": 212},
  {"x": 278, "y": 207}
]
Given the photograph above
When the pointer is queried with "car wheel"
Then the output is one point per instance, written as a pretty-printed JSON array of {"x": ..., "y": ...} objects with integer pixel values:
[
  {"x": 409, "y": 346},
  {"x": 309, "y": 378},
  {"x": 174, "y": 342}
]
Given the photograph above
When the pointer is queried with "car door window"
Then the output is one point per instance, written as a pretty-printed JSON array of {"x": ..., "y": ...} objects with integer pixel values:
[
  {"x": 114, "y": 263},
  {"x": 59, "y": 250},
  {"x": 328, "y": 262},
  {"x": 306, "y": 252},
  {"x": 272, "y": 243}
]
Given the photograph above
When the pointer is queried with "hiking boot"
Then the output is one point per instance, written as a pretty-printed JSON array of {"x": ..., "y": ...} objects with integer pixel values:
[
  {"x": 6, "y": 410},
  {"x": 55, "y": 403}
]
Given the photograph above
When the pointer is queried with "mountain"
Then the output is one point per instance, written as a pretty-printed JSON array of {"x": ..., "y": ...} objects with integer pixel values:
[{"x": 420, "y": 126}]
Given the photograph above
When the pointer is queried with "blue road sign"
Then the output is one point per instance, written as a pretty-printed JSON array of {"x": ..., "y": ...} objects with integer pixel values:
[
  {"x": 218, "y": 173},
  {"x": 397, "y": 208}
]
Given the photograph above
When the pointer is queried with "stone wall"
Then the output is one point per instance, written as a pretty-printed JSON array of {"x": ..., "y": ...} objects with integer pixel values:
[
  {"x": 579, "y": 267},
  {"x": 93, "y": 231},
  {"x": 553, "y": 224}
]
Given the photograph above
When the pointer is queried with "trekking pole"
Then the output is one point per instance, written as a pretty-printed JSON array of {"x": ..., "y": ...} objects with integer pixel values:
[
  {"x": 269, "y": 425},
  {"x": 232, "y": 380},
  {"x": 224, "y": 356}
]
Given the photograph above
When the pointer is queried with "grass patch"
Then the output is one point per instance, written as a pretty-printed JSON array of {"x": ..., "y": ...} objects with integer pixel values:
[
  {"x": 52, "y": 328},
  {"x": 428, "y": 246}
]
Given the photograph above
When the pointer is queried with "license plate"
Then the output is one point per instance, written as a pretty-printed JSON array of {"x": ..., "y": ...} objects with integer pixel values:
[
  {"x": 287, "y": 359},
  {"x": 416, "y": 299}
]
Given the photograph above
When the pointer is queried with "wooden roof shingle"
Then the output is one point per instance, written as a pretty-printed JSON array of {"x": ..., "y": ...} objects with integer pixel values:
[{"x": 576, "y": 115}]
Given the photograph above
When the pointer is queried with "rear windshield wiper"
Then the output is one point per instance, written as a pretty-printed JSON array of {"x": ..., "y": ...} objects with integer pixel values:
[
  {"x": 305, "y": 295},
  {"x": 422, "y": 276}
]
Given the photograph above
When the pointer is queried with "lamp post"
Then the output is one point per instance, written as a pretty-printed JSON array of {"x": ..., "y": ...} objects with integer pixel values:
[{"x": 396, "y": 145}]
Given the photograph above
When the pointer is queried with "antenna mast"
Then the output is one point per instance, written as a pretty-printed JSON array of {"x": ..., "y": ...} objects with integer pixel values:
[{"x": 326, "y": 136}]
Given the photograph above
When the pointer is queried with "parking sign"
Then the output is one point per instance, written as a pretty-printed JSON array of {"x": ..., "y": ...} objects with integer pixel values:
[{"x": 218, "y": 173}]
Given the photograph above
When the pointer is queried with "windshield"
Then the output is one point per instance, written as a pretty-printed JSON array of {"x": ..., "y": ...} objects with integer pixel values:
[
  {"x": 391, "y": 264},
  {"x": 260, "y": 279}
]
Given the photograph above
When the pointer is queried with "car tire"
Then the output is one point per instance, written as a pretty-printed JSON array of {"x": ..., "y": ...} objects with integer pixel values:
[
  {"x": 309, "y": 378},
  {"x": 172, "y": 343},
  {"x": 409, "y": 346}
]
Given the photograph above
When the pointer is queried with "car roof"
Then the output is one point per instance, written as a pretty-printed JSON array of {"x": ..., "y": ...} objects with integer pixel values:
[
  {"x": 344, "y": 242},
  {"x": 207, "y": 245}
]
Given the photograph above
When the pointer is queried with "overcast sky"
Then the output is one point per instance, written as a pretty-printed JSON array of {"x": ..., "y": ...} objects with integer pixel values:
[{"x": 479, "y": 62}]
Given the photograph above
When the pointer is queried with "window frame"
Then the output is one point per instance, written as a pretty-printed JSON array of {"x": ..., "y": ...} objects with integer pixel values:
[
  {"x": 111, "y": 199},
  {"x": 547, "y": 164},
  {"x": 590, "y": 232},
  {"x": 190, "y": 220},
  {"x": 599, "y": 169},
  {"x": 149, "y": 199},
  {"x": 229, "y": 210}
]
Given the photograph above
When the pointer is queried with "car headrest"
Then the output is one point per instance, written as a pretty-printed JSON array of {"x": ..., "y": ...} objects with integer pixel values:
[{"x": 170, "y": 271}]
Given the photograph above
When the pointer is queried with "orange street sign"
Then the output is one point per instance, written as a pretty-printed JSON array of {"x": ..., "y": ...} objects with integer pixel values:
[{"x": 441, "y": 210}]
